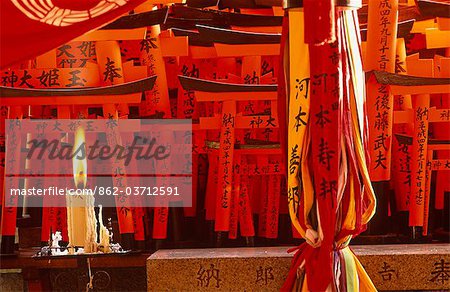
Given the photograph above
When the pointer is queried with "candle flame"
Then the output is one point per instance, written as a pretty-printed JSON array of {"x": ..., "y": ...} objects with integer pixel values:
[{"x": 79, "y": 158}]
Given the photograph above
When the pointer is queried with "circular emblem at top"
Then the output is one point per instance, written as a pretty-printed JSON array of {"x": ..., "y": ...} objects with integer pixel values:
[{"x": 65, "y": 12}]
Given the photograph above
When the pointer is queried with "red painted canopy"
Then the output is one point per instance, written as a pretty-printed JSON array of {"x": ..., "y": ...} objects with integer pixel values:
[{"x": 31, "y": 28}]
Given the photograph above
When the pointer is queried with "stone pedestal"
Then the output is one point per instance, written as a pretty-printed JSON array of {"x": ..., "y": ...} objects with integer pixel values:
[
  {"x": 11, "y": 280},
  {"x": 391, "y": 267}
]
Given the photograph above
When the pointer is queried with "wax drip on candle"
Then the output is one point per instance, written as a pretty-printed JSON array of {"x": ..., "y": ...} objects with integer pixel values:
[
  {"x": 50, "y": 241},
  {"x": 110, "y": 229},
  {"x": 104, "y": 239}
]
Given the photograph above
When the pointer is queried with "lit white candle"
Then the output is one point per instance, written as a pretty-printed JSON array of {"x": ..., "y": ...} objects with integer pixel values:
[{"x": 81, "y": 221}]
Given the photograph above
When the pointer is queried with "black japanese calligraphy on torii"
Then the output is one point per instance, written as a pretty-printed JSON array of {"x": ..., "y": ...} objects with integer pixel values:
[
  {"x": 24, "y": 79},
  {"x": 74, "y": 125},
  {"x": 382, "y": 100},
  {"x": 87, "y": 49},
  {"x": 269, "y": 122},
  {"x": 254, "y": 79},
  {"x": 447, "y": 164},
  {"x": 148, "y": 43},
  {"x": 189, "y": 100},
  {"x": 421, "y": 113},
  {"x": 265, "y": 68},
  {"x": 63, "y": 51},
  {"x": 382, "y": 121},
  {"x": 249, "y": 107},
  {"x": 195, "y": 72},
  {"x": 445, "y": 115},
  {"x": 118, "y": 172},
  {"x": 379, "y": 160},
  {"x": 56, "y": 126},
  {"x": 112, "y": 122},
  {"x": 380, "y": 141},
  {"x": 75, "y": 80},
  {"x": 256, "y": 122},
  {"x": 111, "y": 72},
  {"x": 70, "y": 62},
  {"x": 40, "y": 128},
  {"x": 385, "y": 4},
  {"x": 267, "y": 132},
  {"x": 11, "y": 79},
  {"x": 50, "y": 78},
  {"x": 399, "y": 65},
  {"x": 14, "y": 124},
  {"x": 227, "y": 120}
]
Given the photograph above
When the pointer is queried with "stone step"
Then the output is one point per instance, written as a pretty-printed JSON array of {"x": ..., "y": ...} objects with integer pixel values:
[
  {"x": 391, "y": 267},
  {"x": 11, "y": 280}
]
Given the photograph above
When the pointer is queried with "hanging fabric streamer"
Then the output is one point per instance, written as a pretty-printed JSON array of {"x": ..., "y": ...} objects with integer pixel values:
[
  {"x": 328, "y": 156},
  {"x": 298, "y": 112}
]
